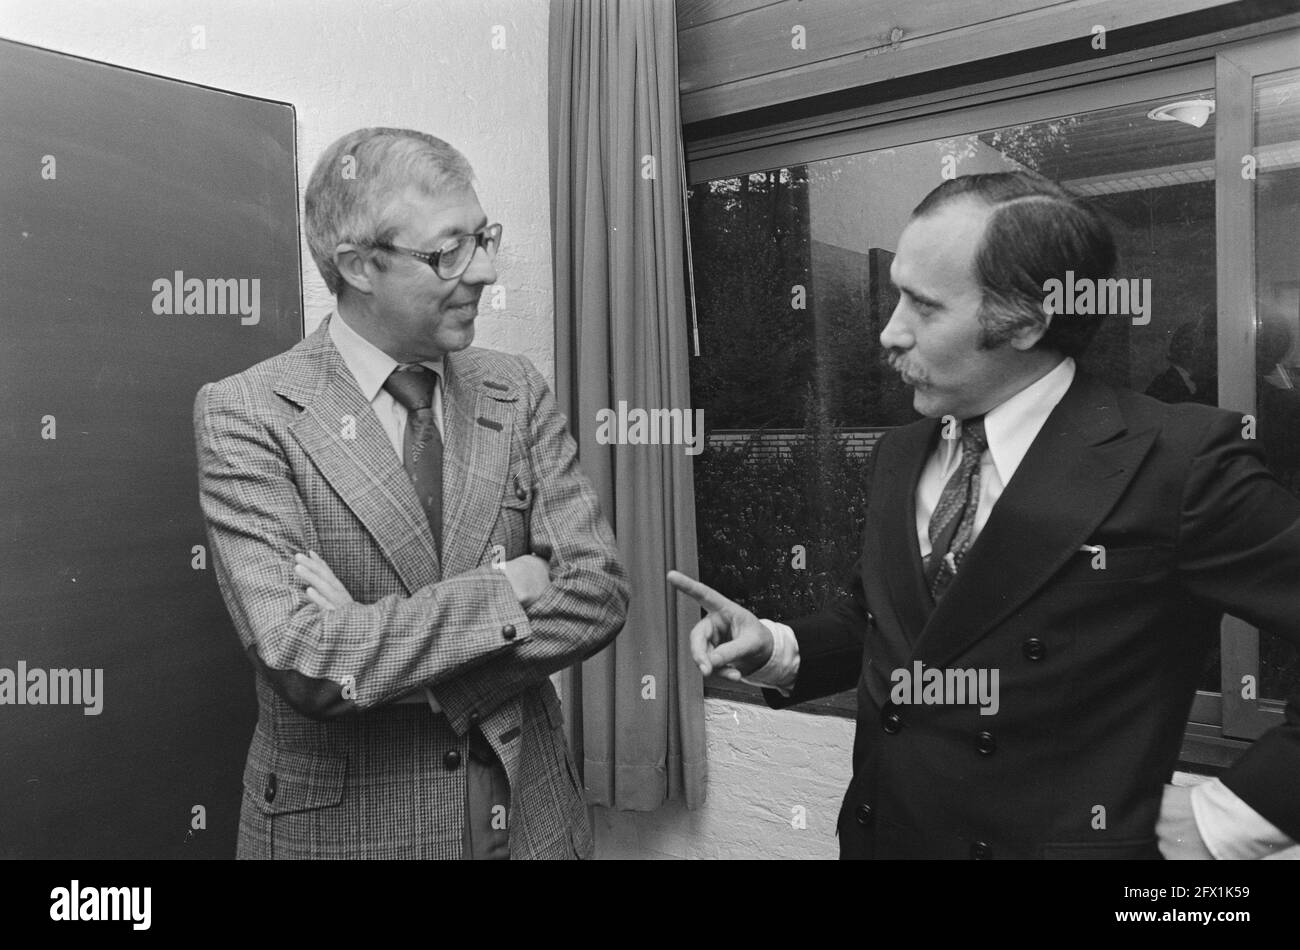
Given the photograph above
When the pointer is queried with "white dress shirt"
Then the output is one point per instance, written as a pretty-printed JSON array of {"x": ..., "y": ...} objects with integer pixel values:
[
  {"x": 1230, "y": 827},
  {"x": 371, "y": 367}
]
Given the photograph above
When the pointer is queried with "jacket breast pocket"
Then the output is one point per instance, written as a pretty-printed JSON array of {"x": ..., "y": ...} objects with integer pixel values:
[
  {"x": 1101, "y": 563},
  {"x": 513, "y": 519}
]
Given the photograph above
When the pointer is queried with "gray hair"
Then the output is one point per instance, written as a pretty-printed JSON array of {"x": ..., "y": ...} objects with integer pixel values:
[{"x": 355, "y": 178}]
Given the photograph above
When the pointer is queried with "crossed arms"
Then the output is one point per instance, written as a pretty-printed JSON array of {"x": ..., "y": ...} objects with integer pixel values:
[{"x": 467, "y": 637}]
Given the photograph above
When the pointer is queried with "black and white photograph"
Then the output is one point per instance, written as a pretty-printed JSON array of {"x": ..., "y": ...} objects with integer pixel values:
[{"x": 629, "y": 430}]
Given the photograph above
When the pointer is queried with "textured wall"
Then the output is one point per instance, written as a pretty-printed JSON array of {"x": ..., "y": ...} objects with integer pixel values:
[
  {"x": 763, "y": 765},
  {"x": 429, "y": 65}
]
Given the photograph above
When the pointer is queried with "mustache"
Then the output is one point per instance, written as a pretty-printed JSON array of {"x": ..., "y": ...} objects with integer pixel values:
[{"x": 897, "y": 361}]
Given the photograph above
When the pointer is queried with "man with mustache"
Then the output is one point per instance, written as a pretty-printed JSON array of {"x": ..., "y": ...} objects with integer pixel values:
[
  {"x": 404, "y": 541},
  {"x": 1077, "y": 543}
]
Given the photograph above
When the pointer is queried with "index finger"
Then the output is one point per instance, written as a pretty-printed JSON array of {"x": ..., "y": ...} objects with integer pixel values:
[{"x": 703, "y": 593}]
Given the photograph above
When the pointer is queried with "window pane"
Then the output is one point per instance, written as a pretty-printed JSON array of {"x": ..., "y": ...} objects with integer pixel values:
[{"x": 1277, "y": 310}]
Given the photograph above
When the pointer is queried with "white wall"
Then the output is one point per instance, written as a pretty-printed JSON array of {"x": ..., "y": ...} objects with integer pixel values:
[
  {"x": 763, "y": 765},
  {"x": 344, "y": 64}
]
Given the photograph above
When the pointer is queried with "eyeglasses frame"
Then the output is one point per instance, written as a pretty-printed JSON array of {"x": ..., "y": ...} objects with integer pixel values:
[{"x": 434, "y": 258}]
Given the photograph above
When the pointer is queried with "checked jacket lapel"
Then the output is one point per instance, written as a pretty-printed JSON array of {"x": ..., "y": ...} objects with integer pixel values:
[
  {"x": 338, "y": 431},
  {"x": 340, "y": 434},
  {"x": 478, "y": 423}
]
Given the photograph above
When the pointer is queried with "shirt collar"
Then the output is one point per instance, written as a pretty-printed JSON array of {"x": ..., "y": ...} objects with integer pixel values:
[
  {"x": 1011, "y": 426},
  {"x": 370, "y": 365}
]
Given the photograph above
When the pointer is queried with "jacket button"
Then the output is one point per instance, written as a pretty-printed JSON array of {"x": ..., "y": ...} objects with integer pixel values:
[
  {"x": 520, "y": 492},
  {"x": 892, "y": 720},
  {"x": 451, "y": 761},
  {"x": 985, "y": 743},
  {"x": 1035, "y": 649},
  {"x": 980, "y": 851},
  {"x": 508, "y": 631},
  {"x": 269, "y": 792},
  {"x": 863, "y": 814},
  {"x": 473, "y": 718}
]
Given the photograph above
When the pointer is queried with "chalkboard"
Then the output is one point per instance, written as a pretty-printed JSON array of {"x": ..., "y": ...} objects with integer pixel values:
[{"x": 115, "y": 186}]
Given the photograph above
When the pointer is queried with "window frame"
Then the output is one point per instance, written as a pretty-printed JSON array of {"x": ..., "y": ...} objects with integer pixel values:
[{"x": 1236, "y": 69}]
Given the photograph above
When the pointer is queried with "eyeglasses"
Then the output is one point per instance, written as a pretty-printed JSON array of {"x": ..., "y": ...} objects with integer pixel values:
[{"x": 453, "y": 258}]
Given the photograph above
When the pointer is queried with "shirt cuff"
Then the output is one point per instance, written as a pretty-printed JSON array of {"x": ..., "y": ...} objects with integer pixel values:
[
  {"x": 782, "y": 667},
  {"x": 1231, "y": 829}
]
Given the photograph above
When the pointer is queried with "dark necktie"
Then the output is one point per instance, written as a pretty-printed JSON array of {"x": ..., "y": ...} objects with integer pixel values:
[
  {"x": 953, "y": 521},
  {"x": 412, "y": 385}
]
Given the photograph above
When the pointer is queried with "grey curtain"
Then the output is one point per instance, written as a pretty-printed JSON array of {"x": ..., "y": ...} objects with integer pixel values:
[{"x": 622, "y": 335}]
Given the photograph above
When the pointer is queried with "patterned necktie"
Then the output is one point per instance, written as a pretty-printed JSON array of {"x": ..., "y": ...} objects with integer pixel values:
[
  {"x": 412, "y": 385},
  {"x": 953, "y": 521}
]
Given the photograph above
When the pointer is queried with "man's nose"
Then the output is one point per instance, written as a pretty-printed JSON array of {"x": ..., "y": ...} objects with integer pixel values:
[
  {"x": 481, "y": 270},
  {"x": 895, "y": 336}
]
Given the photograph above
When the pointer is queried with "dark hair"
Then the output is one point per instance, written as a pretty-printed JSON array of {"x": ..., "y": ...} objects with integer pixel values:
[{"x": 1037, "y": 231}]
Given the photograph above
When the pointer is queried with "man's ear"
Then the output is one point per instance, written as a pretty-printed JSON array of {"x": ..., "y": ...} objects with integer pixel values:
[
  {"x": 354, "y": 267},
  {"x": 1028, "y": 334}
]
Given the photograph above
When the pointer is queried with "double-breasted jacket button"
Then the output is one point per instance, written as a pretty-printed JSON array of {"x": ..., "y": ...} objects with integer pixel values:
[
  {"x": 451, "y": 761},
  {"x": 271, "y": 785},
  {"x": 508, "y": 631},
  {"x": 985, "y": 743},
  {"x": 891, "y": 720},
  {"x": 980, "y": 851},
  {"x": 1034, "y": 649},
  {"x": 862, "y": 814}
]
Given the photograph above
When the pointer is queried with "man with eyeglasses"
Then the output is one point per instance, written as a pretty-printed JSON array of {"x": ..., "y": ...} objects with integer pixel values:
[{"x": 404, "y": 541}]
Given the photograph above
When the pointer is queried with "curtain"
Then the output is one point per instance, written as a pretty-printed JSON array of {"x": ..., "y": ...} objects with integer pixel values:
[{"x": 636, "y": 710}]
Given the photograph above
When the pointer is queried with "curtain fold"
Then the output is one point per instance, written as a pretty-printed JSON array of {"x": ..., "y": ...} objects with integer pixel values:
[{"x": 636, "y": 711}]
